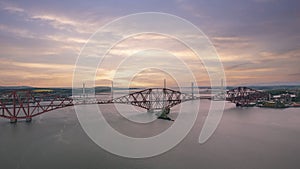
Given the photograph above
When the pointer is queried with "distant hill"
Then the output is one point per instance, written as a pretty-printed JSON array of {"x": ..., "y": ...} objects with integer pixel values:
[
  {"x": 58, "y": 90},
  {"x": 15, "y": 87},
  {"x": 271, "y": 87}
]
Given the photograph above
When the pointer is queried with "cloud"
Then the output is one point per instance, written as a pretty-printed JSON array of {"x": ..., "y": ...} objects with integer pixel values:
[
  {"x": 72, "y": 24},
  {"x": 57, "y": 22},
  {"x": 63, "y": 38},
  {"x": 233, "y": 39},
  {"x": 14, "y": 9},
  {"x": 273, "y": 56},
  {"x": 191, "y": 8},
  {"x": 17, "y": 31},
  {"x": 235, "y": 66},
  {"x": 35, "y": 74},
  {"x": 46, "y": 66},
  {"x": 11, "y": 7}
]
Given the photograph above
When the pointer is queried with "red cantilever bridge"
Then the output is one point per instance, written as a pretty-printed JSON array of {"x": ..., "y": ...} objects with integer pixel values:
[
  {"x": 153, "y": 98},
  {"x": 244, "y": 96},
  {"x": 25, "y": 105}
]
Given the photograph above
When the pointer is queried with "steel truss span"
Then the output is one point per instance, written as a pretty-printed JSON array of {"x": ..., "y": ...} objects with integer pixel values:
[
  {"x": 245, "y": 95},
  {"x": 24, "y": 105},
  {"x": 152, "y": 98}
]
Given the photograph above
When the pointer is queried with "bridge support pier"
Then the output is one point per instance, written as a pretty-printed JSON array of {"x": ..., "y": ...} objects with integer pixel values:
[
  {"x": 150, "y": 111},
  {"x": 164, "y": 114},
  {"x": 13, "y": 120},
  {"x": 28, "y": 119}
]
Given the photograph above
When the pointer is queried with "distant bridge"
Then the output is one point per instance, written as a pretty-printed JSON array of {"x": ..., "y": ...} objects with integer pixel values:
[
  {"x": 153, "y": 98},
  {"x": 244, "y": 96},
  {"x": 24, "y": 105}
]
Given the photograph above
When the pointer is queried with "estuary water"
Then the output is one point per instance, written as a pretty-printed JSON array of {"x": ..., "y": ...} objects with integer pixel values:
[{"x": 246, "y": 138}]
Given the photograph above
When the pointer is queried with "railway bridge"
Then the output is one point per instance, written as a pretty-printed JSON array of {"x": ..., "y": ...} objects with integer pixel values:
[
  {"x": 245, "y": 96},
  {"x": 25, "y": 105}
]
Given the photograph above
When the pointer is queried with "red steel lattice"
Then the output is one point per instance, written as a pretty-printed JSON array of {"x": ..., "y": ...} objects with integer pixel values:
[
  {"x": 24, "y": 105},
  {"x": 153, "y": 98},
  {"x": 245, "y": 95}
]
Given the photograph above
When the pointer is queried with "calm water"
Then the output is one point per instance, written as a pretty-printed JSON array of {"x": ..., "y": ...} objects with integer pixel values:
[{"x": 247, "y": 138}]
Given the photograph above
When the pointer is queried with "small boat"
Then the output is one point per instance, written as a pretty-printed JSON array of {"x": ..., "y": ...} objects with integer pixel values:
[
  {"x": 251, "y": 104},
  {"x": 296, "y": 105}
]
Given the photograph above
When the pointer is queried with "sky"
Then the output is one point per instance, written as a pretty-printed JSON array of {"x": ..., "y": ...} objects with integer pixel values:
[{"x": 258, "y": 41}]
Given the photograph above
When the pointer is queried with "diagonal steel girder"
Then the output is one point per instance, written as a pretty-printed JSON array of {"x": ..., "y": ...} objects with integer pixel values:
[
  {"x": 245, "y": 94},
  {"x": 152, "y": 98},
  {"x": 23, "y": 104}
]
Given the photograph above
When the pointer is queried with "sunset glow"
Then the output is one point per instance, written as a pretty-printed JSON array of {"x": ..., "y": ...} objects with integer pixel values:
[{"x": 257, "y": 41}]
